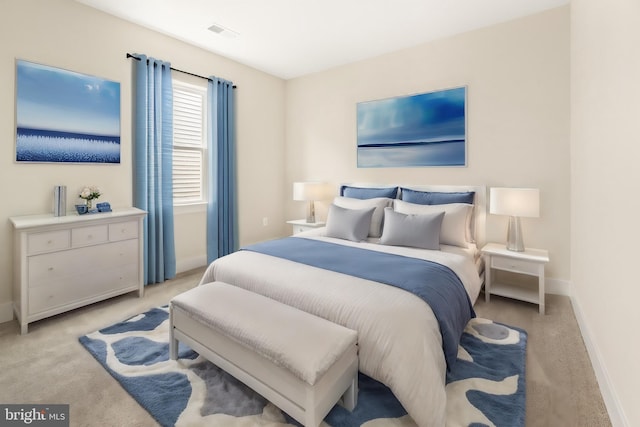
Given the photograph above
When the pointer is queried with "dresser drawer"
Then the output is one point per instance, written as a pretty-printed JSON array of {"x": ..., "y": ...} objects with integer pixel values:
[
  {"x": 48, "y": 241},
  {"x": 123, "y": 231},
  {"x": 80, "y": 289},
  {"x": 41, "y": 269},
  {"x": 91, "y": 261},
  {"x": 515, "y": 265},
  {"x": 85, "y": 236}
]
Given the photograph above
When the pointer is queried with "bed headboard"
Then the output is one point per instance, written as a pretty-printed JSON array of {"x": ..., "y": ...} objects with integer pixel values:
[{"x": 480, "y": 202}]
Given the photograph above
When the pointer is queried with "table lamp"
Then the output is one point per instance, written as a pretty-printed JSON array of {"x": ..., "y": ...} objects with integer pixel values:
[
  {"x": 515, "y": 202},
  {"x": 309, "y": 192}
]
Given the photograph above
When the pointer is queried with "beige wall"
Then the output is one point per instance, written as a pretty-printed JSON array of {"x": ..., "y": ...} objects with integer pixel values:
[
  {"x": 66, "y": 34},
  {"x": 517, "y": 76},
  {"x": 605, "y": 125}
]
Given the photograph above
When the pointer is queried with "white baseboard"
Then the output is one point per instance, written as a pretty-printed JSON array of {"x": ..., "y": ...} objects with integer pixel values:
[
  {"x": 6, "y": 312},
  {"x": 609, "y": 395},
  {"x": 191, "y": 263},
  {"x": 558, "y": 287}
]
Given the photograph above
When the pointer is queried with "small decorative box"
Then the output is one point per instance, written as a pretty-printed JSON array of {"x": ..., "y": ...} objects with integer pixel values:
[{"x": 104, "y": 207}]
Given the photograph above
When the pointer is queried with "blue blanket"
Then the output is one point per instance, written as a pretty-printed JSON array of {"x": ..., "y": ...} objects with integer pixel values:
[{"x": 436, "y": 284}]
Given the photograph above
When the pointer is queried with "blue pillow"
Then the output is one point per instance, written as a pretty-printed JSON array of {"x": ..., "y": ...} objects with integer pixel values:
[
  {"x": 436, "y": 198},
  {"x": 416, "y": 231},
  {"x": 348, "y": 224},
  {"x": 368, "y": 193}
]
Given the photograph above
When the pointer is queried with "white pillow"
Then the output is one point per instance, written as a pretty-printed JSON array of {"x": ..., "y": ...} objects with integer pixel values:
[
  {"x": 455, "y": 224},
  {"x": 416, "y": 231},
  {"x": 348, "y": 224},
  {"x": 379, "y": 203}
]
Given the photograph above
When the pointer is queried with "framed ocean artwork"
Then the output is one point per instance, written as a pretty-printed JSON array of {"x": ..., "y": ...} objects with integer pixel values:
[
  {"x": 427, "y": 129},
  {"x": 64, "y": 116}
]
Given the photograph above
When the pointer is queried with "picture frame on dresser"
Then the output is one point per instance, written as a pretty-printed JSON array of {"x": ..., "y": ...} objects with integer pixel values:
[{"x": 66, "y": 262}]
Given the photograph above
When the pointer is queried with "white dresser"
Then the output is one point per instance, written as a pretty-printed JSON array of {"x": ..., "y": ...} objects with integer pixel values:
[{"x": 62, "y": 263}]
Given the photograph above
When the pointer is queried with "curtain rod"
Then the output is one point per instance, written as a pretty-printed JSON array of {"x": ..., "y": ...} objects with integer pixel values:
[{"x": 175, "y": 69}]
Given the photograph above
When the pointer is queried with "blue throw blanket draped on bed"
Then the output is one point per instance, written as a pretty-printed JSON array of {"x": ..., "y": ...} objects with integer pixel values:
[{"x": 435, "y": 283}]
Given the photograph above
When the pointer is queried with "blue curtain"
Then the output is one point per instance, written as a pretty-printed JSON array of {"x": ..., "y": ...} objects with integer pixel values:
[
  {"x": 153, "y": 163},
  {"x": 222, "y": 228}
]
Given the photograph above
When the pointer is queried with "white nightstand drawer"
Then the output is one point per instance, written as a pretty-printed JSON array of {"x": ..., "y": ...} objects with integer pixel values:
[
  {"x": 299, "y": 229},
  {"x": 300, "y": 225},
  {"x": 85, "y": 236},
  {"x": 515, "y": 265},
  {"x": 47, "y": 242}
]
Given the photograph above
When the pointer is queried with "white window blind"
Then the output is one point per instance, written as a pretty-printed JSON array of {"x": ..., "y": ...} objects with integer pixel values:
[{"x": 189, "y": 145}]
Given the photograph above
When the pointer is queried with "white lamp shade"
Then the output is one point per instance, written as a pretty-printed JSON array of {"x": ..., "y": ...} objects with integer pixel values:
[
  {"x": 308, "y": 191},
  {"x": 520, "y": 202}
]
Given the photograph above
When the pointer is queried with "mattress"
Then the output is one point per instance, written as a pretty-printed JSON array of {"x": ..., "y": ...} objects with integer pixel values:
[{"x": 399, "y": 339}]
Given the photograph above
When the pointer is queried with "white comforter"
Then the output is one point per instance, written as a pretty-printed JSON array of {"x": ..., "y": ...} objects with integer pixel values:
[{"x": 398, "y": 335}]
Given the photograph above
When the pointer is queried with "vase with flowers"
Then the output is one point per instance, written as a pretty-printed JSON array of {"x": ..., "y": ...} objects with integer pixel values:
[{"x": 89, "y": 194}]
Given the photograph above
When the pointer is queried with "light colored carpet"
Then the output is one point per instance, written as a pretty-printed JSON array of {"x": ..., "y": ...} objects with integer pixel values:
[
  {"x": 561, "y": 386},
  {"x": 49, "y": 365}
]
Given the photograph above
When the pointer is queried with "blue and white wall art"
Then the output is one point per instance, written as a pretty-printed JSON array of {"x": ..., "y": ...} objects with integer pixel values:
[
  {"x": 64, "y": 116},
  {"x": 428, "y": 129}
]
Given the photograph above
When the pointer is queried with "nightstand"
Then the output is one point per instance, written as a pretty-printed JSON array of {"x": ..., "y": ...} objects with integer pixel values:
[
  {"x": 531, "y": 262},
  {"x": 300, "y": 225}
]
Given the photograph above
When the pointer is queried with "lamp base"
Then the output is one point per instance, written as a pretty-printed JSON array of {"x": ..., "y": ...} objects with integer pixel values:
[
  {"x": 311, "y": 213},
  {"x": 514, "y": 235}
]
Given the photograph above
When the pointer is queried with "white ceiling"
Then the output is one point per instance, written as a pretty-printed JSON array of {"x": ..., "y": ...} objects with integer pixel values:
[{"x": 290, "y": 38}]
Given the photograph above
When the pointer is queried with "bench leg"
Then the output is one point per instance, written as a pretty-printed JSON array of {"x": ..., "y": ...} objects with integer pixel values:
[
  {"x": 350, "y": 397},
  {"x": 173, "y": 342},
  {"x": 310, "y": 410}
]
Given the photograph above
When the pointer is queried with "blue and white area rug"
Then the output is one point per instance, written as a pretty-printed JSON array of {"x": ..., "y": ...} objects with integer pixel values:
[{"x": 485, "y": 388}]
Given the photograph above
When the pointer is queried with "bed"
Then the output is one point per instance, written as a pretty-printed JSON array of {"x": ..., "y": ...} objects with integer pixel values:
[{"x": 401, "y": 335}]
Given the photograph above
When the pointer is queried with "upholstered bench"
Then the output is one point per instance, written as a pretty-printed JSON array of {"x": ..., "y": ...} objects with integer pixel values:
[{"x": 300, "y": 362}]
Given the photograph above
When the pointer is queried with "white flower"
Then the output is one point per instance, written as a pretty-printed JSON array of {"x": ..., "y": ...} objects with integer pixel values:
[{"x": 89, "y": 193}]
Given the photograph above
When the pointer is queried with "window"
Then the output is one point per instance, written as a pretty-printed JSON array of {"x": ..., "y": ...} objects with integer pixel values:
[{"x": 189, "y": 144}]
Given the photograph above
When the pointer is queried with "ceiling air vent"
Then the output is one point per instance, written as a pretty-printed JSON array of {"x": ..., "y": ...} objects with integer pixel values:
[{"x": 223, "y": 31}]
